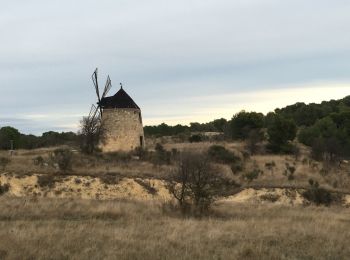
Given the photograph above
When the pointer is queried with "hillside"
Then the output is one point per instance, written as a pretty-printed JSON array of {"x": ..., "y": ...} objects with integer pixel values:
[{"x": 275, "y": 190}]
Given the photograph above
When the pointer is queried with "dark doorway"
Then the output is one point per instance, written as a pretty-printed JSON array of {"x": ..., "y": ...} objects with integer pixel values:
[{"x": 141, "y": 141}]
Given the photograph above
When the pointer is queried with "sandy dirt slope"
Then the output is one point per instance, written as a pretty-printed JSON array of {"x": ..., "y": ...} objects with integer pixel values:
[
  {"x": 86, "y": 187},
  {"x": 278, "y": 196}
]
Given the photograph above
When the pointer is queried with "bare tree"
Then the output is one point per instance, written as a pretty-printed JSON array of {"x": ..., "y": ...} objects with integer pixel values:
[
  {"x": 196, "y": 183},
  {"x": 92, "y": 132}
]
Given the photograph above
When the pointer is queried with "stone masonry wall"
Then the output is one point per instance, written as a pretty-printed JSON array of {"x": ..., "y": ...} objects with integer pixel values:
[{"x": 124, "y": 129}]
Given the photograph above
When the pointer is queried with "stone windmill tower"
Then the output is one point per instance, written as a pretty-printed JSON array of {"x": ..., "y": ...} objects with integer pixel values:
[{"x": 122, "y": 119}]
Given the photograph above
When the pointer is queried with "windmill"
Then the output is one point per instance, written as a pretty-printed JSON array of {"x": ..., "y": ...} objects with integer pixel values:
[{"x": 97, "y": 111}]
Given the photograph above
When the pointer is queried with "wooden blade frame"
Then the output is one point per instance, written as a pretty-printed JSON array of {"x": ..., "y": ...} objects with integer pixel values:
[
  {"x": 107, "y": 88},
  {"x": 95, "y": 81}
]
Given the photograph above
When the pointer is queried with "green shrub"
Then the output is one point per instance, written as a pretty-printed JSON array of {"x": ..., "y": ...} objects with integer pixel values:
[
  {"x": 252, "y": 175},
  {"x": 220, "y": 154},
  {"x": 236, "y": 167},
  {"x": 318, "y": 195},
  {"x": 195, "y": 138},
  {"x": 281, "y": 131}
]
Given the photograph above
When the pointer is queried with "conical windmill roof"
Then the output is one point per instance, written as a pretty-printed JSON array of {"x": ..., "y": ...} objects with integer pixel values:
[{"x": 120, "y": 100}]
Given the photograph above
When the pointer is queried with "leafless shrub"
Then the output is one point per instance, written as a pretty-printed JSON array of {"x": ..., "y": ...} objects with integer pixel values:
[
  {"x": 62, "y": 158},
  {"x": 92, "y": 133},
  {"x": 195, "y": 184}
]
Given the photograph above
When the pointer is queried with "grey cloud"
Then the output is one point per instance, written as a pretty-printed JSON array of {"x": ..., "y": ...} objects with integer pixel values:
[{"x": 163, "y": 50}]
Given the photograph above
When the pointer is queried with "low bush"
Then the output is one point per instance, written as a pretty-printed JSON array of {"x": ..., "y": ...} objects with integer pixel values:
[
  {"x": 220, "y": 154},
  {"x": 318, "y": 195},
  {"x": 46, "y": 181},
  {"x": 246, "y": 155},
  {"x": 141, "y": 153},
  {"x": 195, "y": 138},
  {"x": 196, "y": 183},
  {"x": 270, "y": 165},
  {"x": 63, "y": 158},
  {"x": 161, "y": 156},
  {"x": 4, "y": 188},
  {"x": 110, "y": 179},
  {"x": 237, "y": 167},
  {"x": 289, "y": 172},
  {"x": 252, "y": 175},
  {"x": 4, "y": 161},
  {"x": 39, "y": 161}
]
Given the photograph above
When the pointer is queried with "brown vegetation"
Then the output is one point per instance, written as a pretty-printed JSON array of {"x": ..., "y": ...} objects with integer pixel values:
[
  {"x": 89, "y": 229},
  {"x": 257, "y": 212}
]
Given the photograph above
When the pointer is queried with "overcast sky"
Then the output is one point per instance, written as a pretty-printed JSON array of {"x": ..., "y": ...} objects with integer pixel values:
[{"x": 181, "y": 60}]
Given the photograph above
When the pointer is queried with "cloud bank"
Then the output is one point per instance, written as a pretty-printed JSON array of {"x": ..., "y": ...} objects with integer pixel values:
[{"x": 191, "y": 60}]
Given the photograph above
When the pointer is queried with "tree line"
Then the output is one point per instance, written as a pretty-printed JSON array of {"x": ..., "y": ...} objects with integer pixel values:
[
  {"x": 23, "y": 141},
  {"x": 324, "y": 127}
]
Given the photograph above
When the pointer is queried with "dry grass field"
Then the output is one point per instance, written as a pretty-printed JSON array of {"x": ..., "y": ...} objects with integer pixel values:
[
  {"x": 111, "y": 207},
  {"x": 90, "y": 229}
]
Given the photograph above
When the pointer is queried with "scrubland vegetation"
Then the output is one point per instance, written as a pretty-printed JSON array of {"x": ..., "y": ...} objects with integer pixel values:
[{"x": 267, "y": 187}]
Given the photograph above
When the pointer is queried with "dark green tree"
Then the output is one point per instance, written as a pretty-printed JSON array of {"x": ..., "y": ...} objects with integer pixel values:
[
  {"x": 7, "y": 134},
  {"x": 220, "y": 124},
  {"x": 244, "y": 122},
  {"x": 280, "y": 132}
]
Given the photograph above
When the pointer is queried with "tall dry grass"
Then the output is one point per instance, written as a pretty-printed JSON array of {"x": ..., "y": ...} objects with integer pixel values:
[{"x": 82, "y": 229}]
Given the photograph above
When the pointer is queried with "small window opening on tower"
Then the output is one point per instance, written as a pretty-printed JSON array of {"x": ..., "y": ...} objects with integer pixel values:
[
  {"x": 140, "y": 118},
  {"x": 141, "y": 141}
]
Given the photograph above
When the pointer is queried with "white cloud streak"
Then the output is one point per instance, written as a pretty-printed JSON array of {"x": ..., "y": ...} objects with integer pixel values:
[{"x": 206, "y": 108}]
